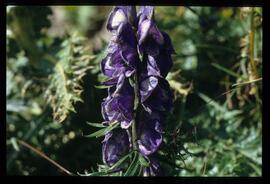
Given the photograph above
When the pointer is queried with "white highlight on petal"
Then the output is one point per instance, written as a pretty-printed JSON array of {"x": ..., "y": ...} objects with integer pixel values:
[
  {"x": 144, "y": 28},
  {"x": 118, "y": 18},
  {"x": 153, "y": 82},
  {"x": 144, "y": 150}
]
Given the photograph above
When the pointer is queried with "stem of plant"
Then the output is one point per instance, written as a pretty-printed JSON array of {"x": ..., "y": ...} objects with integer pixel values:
[
  {"x": 251, "y": 44},
  {"x": 134, "y": 136},
  {"x": 136, "y": 102},
  {"x": 254, "y": 73}
]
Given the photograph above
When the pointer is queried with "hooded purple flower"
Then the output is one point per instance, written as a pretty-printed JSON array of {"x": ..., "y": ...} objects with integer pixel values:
[
  {"x": 149, "y": 37},
  {"x": 113, "y": 66},
  {"x": 122, "y": 56},
  {"x": 150, "y": 132},
  {"x": 118, "y": 106},
  {"x": 156, "y": 94},
  {"x": 121, "y": 15},
  {"x": 116, "y": 144},
  {"x": 155, "y": 45},
  {"x": 120, "y": 65}
]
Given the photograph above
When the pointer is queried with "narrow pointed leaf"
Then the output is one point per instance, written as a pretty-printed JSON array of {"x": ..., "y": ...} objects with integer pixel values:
[
  {"x": 103, "y": 131},
  {"x": 99, "y": 125},
  {"x": 132, "y": 169},
  {"x": 120, "y": 161}
]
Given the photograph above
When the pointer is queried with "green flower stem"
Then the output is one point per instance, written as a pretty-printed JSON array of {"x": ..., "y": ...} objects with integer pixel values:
[
  {"x": 251, "y": 45},
  {"x": 136, "y": 105}
]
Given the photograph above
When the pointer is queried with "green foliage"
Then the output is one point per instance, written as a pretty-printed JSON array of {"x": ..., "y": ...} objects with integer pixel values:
[
  {"x": 209, "y": 133},
  {"x": 65, "y": 88},
  {"x": 103, "y": 131}
]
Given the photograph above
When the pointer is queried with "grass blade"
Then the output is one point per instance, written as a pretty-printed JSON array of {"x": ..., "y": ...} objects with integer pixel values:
[
  {"x": 120, "y": 162},
  {"x": 103, "y": 131},
  {"x": 228, "y": 71},
  {"x": 132, "y": 169},
  {"x": 144, "y": 161},
  {"x": 99, "y": 125}
]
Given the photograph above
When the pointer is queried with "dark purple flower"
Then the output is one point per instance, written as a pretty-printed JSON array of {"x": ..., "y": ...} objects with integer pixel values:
[
  {"x": 121, "y": 15},
  {"x": 113, "y": 66},
  {"x": 122, "y": 56},
  {"x": 118, "y": 106},
  {"x": 149, "y": 36},
  {"x": 158, "y": 66},
  {"x": 167, "y": 47},
  {"x": 156, "y": 94},
  {"x": 149, "y": 132},
  {"x": 145, "y": 12},
  {"x": 116, "y": 144},
  {"x": 120, "y": 65}
]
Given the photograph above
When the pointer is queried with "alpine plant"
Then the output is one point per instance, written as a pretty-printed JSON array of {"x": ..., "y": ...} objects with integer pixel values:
[{"x": 137, "y": 62}]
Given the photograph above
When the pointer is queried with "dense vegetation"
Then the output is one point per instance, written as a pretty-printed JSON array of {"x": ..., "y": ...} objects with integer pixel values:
[{"x": 53, "y": 70}]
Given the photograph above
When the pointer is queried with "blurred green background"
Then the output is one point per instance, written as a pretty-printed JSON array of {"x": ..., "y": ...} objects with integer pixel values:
[{"x": 53, "y": 64}]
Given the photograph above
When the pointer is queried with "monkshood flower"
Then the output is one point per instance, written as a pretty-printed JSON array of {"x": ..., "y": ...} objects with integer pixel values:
[
  {"x": 150, "y": 129},
  {"x": 118, "y": 106},
  {"x": 120, "y": 64},
  {"x": 133, "y": 35},
  {"x": 121, "y": 15},
  {"x": 115, "y": 145},
  {"x": 121, "y": 56},
  {"x": 155, "y": 94}
]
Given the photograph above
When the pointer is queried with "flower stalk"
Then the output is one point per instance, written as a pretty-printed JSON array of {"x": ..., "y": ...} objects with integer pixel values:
[
  {"x": 137, "y": 63},
  {"x": 136, "y": 106}
]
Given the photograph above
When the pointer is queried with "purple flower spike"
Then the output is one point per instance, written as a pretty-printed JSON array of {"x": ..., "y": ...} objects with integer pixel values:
[
  {"x": 126, "y": 36},
  {"x": 115, "y": 145},
  {"x": 121, "y": 65}
]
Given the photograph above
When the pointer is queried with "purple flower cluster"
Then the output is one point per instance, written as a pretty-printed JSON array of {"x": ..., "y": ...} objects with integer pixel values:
[{"x": 134, "y": 36}]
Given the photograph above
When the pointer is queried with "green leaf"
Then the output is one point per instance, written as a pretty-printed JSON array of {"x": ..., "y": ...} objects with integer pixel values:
[
  {"x": 228, "y": 71},
  {"x": 103, "y": 131},
  {"x": 256, "y": 168},
  {"x": 99, "y": 125},
  {"x": 107, "y": 171},
  {"x": 102, "y": 87},
  {"x": 144, "y": 161},
  {"x": 134, "y": 166},
  {"x": 120, "y": 161},
  {"x": 72, "y": 62},
  {"x": 102, "y": 173},
  {"x": 14, "y": 143}
]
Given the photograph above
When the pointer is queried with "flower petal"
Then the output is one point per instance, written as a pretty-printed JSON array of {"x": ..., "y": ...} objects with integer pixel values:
[
  {"x": 161, "y": 98},
  {"x": 115, "y": 145},
  {"x": 147, "y": 86},
  {"x": 149, "y": 139},
  {"x": 121, "y": 15}
]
